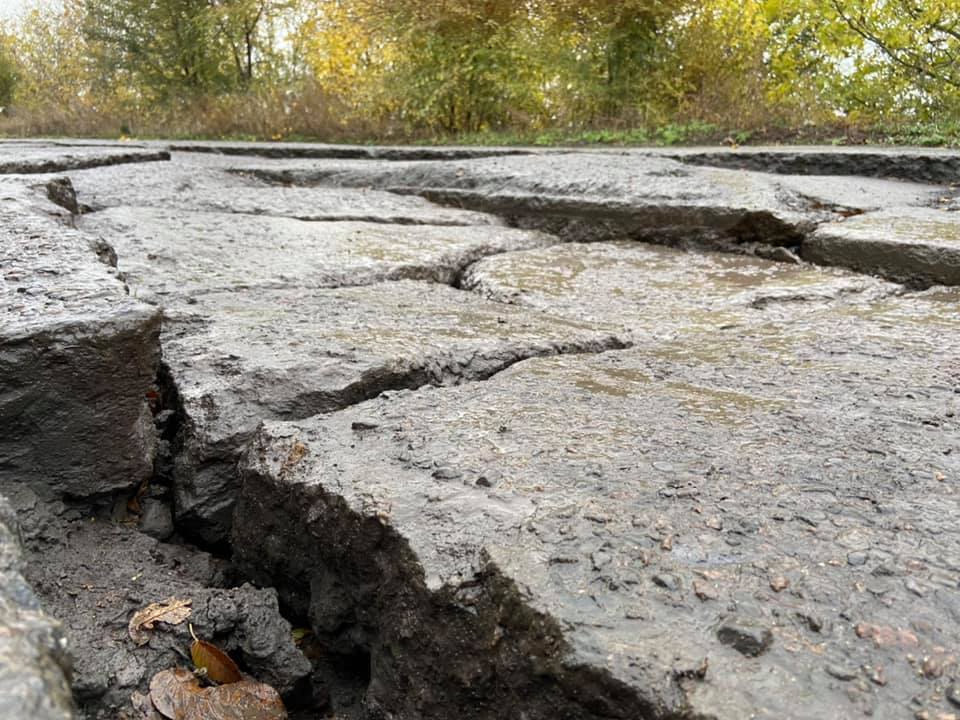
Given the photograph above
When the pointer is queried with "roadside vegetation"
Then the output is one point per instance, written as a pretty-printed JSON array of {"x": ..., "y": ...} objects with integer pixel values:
[{"x": 491, "y": 71}]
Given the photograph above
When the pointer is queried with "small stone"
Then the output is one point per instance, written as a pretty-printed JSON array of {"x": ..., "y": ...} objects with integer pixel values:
[
  {"x": 840, "y": 672},
  {"x": 598, "y": 517},
  {"x": 600, "y": 559},
  {"x": 746, "y": 637},
  {"x": 864, "y": 630},
  {"x": 748, "y": 526},
  {"x": 667, "y": 582},
  {"x": 813, "y": 519},
  {"x": 914, "y": 587},
  {"x": 704, "y": 591},
  {"x": 779, "y": 584},
  {"x": 447, "y": 473},
  {"x": 783, "y": 254},
  {"x": 811, "y": 621},
  {"x": 856, "y": 559},
  {"x": 157, "y": 519},
  {"x": 932, "y": 667},
  {"x": 877, "y": 675},
  {"x": 62, "y": 192},
  {"x": 953, "y": 694},
  {"x": 886, "y": 636},
  {"x": 667, "y": 543}
]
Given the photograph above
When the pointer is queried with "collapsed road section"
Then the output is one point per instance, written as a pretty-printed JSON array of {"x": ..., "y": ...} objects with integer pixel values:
[{"x": 410, "y": 460}]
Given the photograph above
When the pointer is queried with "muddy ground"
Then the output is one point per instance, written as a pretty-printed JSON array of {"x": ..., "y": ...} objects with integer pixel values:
[{"x": 423, "y": 433}]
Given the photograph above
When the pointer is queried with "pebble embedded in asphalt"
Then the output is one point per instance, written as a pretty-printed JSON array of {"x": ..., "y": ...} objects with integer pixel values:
[{"x": 745, "y": 636}]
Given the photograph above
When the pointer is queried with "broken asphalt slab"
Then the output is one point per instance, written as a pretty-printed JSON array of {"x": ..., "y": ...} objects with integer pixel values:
[
  {"x": 235, "y": 359},
  {"x": 78, "y": 358},
  {"x": 584, "y": 196},
  {"x": 789, "y": 469},
  {"x": 652, "y": 291},
  {"x": 638, "y": 195},
  {"x": 191, "y": 185},
  {"x": 44, "y": 157},
  {"x": 612, "y": 536},
  {"x": 920, "y": 165},
  {"x": 168, "y": 253},
  {"x": 750, "y": 320},
  {"x": 916, "y": 245}
]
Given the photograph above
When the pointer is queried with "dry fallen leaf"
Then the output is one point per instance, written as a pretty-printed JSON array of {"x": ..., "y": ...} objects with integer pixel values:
[
  {"x": 298, "y": 451},
  {"x": 218, "y": 665},
  {"x": 171, "y": 611},
  {"x": 177, "y": 695}
]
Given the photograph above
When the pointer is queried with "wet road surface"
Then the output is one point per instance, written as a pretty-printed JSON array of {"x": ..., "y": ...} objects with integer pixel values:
[{"x": 577, "y": 435}]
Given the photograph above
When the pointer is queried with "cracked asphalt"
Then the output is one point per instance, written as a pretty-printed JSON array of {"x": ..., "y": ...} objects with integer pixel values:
[{"x": 543, "y": 435}]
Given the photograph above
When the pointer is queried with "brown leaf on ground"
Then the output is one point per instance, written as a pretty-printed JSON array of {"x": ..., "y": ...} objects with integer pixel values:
[
  {"x": 177, "y": 695},
  {"x": 171, "y": 611},
  {"x": 298, "y": 451},
  {"x": 219, "y": 667}
]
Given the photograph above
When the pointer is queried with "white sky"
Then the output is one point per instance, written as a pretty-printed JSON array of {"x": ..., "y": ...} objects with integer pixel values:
[{"x": 9, "y": 9}]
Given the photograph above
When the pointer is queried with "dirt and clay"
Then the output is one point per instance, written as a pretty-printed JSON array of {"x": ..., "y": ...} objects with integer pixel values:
[{"x": 487, "y": 469}]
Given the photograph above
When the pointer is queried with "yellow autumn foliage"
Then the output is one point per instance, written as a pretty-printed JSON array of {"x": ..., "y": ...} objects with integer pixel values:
[{"x": 349, "y": 69}]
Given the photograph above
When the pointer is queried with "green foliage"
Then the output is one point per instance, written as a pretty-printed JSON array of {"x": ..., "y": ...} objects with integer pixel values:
[
  {"x": 539, "y": 71},
  {"x": 169, "y": 49},
  {"x": 8, "y": 70},
  {"x": 457, "y": 69},
  {"x": 867, "y": 60}
]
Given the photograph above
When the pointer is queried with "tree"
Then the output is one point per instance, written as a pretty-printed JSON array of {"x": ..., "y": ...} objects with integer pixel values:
[
  {"x": 8, "y": 69},
  {"x": 455, "y": 64},
  {"x": 51, "y": 57},
  {"x": 172, "y": 48},
  {"x": 718, "y": 68},
  {"x": 868, "y": 60},
  {"x": 601, "y": 59},
  {"x": 921, "y": 38},
  {"x": 163, "y": 47}
]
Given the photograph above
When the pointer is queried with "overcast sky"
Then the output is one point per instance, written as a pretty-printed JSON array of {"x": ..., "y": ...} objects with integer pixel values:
[{"x": 11, "y": 8}]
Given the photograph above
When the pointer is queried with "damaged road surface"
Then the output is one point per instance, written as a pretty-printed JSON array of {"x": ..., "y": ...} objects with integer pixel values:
[{"x": 546, "y": 435}]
